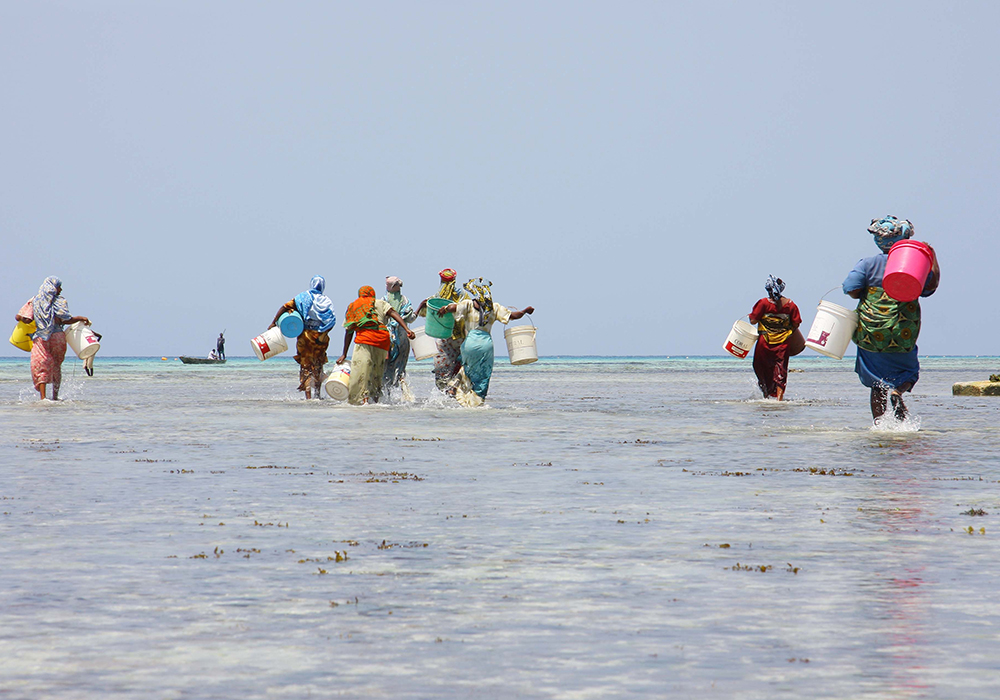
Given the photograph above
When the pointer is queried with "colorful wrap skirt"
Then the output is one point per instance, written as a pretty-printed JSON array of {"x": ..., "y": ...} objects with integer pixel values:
[
  {"x": 367, "y": 368},
  {"x": 46, "y": 360},
  {"x": 310, "y": 351},
  {"x": 447, "y": 362},
  {"x": 477, "y": 360},
  {"x": 770, "y": 364}
]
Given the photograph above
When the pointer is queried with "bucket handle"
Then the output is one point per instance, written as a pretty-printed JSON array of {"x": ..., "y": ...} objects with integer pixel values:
[
  {"x": 830, "y": 290},
  {"x": 530, "y": 320}
]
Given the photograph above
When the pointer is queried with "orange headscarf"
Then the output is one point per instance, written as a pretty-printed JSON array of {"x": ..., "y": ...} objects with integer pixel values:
[{"x": 361, "y": 312}]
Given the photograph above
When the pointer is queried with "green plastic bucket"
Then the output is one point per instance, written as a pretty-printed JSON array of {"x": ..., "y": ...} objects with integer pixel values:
[{"x": 439, "y": 326}]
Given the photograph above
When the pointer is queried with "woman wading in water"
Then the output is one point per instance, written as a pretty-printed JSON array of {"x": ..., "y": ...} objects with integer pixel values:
[
  {"x": 778, "y": 320},
  {"x": 887, "y": 330},
  {"x": 49, "y": 311}
]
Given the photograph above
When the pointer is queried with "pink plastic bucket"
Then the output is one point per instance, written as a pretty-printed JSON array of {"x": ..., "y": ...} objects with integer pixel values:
[{"x": 907, "y": 269}]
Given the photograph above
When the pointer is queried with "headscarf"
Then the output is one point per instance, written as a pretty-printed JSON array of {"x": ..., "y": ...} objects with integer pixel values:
[
  {"x": 315, "y": 307},
  {"x": 447, "y": 275},
  {"x": 889, "y": 230},
  {"x": 361, "y": 312},
  {"x": 48, "y": 308},
  {"x": 479, "y": 290},
  {"x": 393, "y": 284},
  {"x": 774, "y": 286}
]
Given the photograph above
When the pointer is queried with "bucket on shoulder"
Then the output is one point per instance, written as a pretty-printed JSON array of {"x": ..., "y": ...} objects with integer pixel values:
[{"x": 291, "y": 324}]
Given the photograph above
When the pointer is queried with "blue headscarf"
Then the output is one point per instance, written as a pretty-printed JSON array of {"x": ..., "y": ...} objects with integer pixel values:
[
  {"x": 889, "y": 230},
  {"x": 774, "y": 286},
  {"x": 315, "y": 308},
  {"x": 49, "y": 308}
]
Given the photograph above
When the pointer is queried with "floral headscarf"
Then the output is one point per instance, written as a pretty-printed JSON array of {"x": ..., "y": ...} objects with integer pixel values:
[
  {"x": 315, "y": 307},
  {"x": 49, "y": 308},
  {"x": 479, "y": 290},
  {"x": 774, "y": 286},
  {"x": 889, "y": 230}
]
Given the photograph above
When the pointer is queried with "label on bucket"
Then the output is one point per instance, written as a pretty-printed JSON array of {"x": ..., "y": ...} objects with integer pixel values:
[
  {"x": 822, "y": 332},
  {"x": 262, "y": 344},
  {"x": 737, "y": 350}
]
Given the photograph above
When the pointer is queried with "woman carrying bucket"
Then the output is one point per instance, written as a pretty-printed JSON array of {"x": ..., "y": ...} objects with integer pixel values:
[
  {"x": 395, "y": 364},
  {"x": 478, "y": 314},
  {"x": 448, "y": 361},
  {"x": 778, "y": 320},
  {"x": 365, "y": 324},
  {"x": 887, "y": 330},
  {"x": 49, "y": 311},
  {"x": 318, "y": 317}
]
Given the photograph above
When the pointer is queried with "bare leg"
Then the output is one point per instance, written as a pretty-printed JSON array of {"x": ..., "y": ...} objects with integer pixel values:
[
  {"x": 41, "y": 391},
  {"x": 878, "y": 401},
  {"x": 779, "y": 393}
]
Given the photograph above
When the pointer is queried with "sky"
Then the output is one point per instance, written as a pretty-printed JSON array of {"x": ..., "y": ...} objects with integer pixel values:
[{"x": 633, "y": 170}]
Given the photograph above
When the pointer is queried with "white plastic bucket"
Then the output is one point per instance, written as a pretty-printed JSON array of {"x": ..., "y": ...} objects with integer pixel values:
[
  {"x": 831, "y": 331},
  {"x": 741, "y": 339},
  {"x": 521, "y": 345},
  {"x": 423, "y": 345},
  {"x": 82, "y": 340},
  {"x": 269, "y": 343},
  {"x": 338, "y": 382}
]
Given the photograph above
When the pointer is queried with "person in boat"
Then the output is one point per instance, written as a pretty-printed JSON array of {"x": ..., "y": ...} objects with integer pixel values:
[
  {"x": 49, "y": 311},
  {"x": 220, "y": 346},
  {"x": 478, "y": 313},
  {"x": 365, "y": 324},
  {"x": 448, "y": 360},
  {"x": 318, "y": 318},
  {"x": 887, "y": 331},
  {"x": 778, "y": 320},
  {"x": 213, "y": 355},
  {"x": 395, "y": 364}
]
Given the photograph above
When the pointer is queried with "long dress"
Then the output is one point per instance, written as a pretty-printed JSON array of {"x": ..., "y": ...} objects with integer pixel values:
[
  {"x": 887, "y": 329},
  {"x": 472, "y": 382},
  {"x": 395, "y": 363},
  {"x": 48, "y": 352},
  {"x": 775, "y": 327},
  {"x": 448, "y": 360},
  {"x": 371, "y": 348}
]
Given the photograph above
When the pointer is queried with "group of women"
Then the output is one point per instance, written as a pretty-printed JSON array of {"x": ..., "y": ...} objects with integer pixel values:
[
  {"x": 378, "y": 328},
  {"x": 886, "y": 336}
]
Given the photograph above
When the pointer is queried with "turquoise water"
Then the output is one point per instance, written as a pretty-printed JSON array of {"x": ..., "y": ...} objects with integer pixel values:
[{"x": 605, "y": 527}]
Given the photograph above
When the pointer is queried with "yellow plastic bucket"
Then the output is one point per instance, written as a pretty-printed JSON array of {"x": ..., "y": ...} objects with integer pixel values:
[{"x": 21, "y": 337}]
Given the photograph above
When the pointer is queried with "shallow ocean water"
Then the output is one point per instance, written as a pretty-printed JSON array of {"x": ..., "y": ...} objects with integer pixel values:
[{"x": 605, "y": 527}]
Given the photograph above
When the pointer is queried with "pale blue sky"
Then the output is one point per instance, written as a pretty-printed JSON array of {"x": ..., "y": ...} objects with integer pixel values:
[{"x": 634, "y": 170}]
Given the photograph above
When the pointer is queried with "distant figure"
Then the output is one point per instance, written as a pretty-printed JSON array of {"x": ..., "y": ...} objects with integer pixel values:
[
  {"x": 318, "y": 316},
  {"x": 220, "y": 347},
  {"x": 887, "y": 330},
  {"x": 399, "y": 353},
  {"x": 448, "y": 360},
  {"x": 364, "y": 323},
  {"x": 50, "y": 313},
  {"x": 778, "y": 320},
  {"x": 213, "y": 355},
  {"x": 478, "y": 313}
]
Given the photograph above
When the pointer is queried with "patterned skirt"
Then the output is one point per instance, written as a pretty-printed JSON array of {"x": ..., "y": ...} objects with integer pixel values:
[{"x": 46, "y": 360}]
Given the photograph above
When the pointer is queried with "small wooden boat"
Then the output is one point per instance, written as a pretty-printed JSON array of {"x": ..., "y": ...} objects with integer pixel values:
[{"x": 200, "y": 361}]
